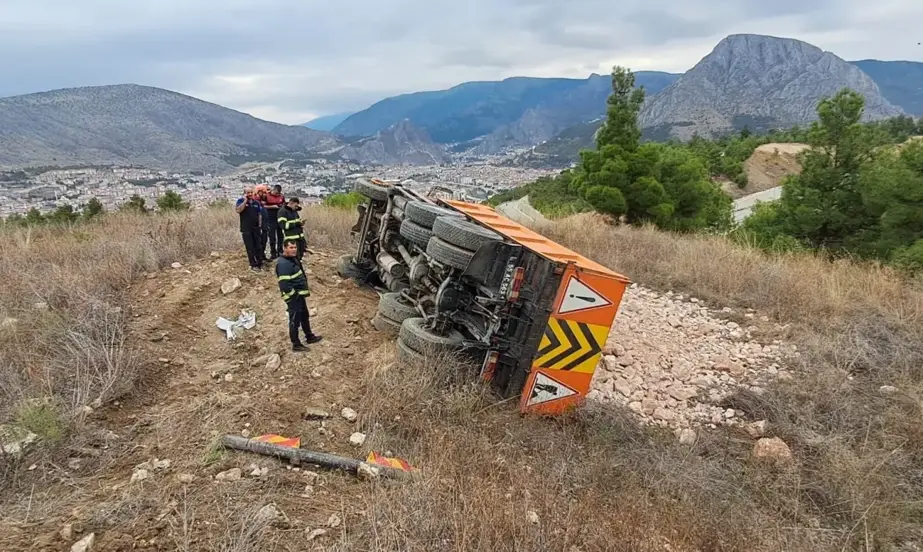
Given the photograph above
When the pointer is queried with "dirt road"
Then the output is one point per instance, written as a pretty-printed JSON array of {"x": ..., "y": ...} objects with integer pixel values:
[
  {"x": 521, "y": 211},
  {"x": 198, "y": 386}
]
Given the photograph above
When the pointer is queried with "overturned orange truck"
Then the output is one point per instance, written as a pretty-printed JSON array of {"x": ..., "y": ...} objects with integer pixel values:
[{"x": 529, "y": 315}]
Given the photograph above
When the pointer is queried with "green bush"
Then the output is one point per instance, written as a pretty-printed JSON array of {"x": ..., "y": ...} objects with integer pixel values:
[{"x": 347, "y": 201}]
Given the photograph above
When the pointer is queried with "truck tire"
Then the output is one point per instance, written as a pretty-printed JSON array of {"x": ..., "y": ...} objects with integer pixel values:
[
  {"x": 374, "y": 191},
  {"x": 463, "y": 233},
  {"x": 448, "y": 254},
  {"x": 347, "y": 268},
  {"x": 418, "y": 338},
  {"x": 386, "y": 325},
  {"x": 416, "y": 234},
  {"x": 407, "y": 354},
  {"x": 394, "y": 307},
  {"x": 425, "y": 214}
]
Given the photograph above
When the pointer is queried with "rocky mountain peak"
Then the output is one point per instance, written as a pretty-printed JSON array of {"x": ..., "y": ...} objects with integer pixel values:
[
  {"x": 761, "y": 82},
  {"x": 403, "y": 143}
]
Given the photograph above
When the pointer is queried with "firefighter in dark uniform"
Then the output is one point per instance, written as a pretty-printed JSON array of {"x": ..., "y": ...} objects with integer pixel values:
[
  {"x": 293, "y": 284},
  {"x": 289, "y": 221}
]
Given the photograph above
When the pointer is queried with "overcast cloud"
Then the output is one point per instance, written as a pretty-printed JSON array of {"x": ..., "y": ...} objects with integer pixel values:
[{"x": 292, "y": 60}]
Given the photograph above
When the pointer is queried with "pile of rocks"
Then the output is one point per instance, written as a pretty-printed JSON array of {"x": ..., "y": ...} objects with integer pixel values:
[{"x": 672, "y": 361}]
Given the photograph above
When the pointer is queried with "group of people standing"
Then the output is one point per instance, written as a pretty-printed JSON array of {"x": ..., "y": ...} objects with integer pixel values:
[{"x": 268, "y": 218}]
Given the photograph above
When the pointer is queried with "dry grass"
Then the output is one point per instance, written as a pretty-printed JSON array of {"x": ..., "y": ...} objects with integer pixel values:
[
  {"x": 859, "y": 326},
  {"x": 595, "y": 480},
  {"x": 64, "y": 288}
]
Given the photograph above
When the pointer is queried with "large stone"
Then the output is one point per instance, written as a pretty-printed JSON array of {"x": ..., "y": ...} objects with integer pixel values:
[
  {"x": 349, "y": 414},
  {"x": 772, "y": 451},
  {"x": 85, "y": 544},
  {"x": 687, "y": 436},
  {"x": 230, "y": 285},
  {"x": 682, "y": 393},
  {"x": 139, "y": 475},
  {"x": 311, "y": 534},
  {"x": 756, "y": 429},
  {"x": 357, "y": 439},
  {"x": 233, "y": 474},
  {"x": 274, "y": 362},
  {"x": 725, "y": 364},
  {"x": 311, "y": 413},
  {"x": 664, "y": 414},
  {"x": 623, "y": 386}
]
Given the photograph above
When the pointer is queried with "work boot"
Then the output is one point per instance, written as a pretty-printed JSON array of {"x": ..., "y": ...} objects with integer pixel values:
[
  {"x": 311, "y": 339},
  {"x": 299, "y": 348}
]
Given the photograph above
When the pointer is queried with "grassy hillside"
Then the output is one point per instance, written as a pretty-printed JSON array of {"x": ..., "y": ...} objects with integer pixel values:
[{"x": 597, "y": 480}]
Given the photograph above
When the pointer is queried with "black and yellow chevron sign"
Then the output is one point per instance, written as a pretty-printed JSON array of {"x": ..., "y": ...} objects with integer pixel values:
[{"x": 572, "y": 346}]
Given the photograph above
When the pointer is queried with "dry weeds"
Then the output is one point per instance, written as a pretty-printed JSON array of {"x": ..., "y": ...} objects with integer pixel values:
[
  {"x": 64, "y": 287},
  {"x": 859, "y": 327},
  {"x": 594, "y": 480}
]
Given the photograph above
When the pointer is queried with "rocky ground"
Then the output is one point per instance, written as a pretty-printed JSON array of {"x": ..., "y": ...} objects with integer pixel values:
[{"x": 672, "y": 360}]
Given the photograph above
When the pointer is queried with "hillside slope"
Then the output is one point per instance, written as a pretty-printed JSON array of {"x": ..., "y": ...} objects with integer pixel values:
[
  {"x": 901, "y": 82},
  {"x": 510, "y": 111},
  {"x": 402, "y": 143},
  {"x": 131, "y": 124},
  {"x": 327, "y": 123},
  {"x": 757, "y": 81}
]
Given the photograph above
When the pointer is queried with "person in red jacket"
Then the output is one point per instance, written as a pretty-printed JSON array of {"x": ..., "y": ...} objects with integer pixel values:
[{"x": 272, "y": 202}]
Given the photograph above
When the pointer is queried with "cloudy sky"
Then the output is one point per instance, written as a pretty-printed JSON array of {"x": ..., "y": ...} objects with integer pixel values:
[{"x": 291, "y": 60}]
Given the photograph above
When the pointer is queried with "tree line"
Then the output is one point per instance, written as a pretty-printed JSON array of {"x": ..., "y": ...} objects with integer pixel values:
[
  {"x": 67, "y": 214},
  {"x": 860, "y": 191}
]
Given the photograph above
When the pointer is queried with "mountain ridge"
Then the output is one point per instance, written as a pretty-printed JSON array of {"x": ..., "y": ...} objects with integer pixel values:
[
  {"x": 498, "y": 114},
  {"x": 764, "y": 82},
  {"x": 136, "y": 124}
]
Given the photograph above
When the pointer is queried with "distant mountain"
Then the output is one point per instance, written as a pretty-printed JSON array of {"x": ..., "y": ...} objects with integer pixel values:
[
  {"x": 131, "y": 124},
  {"x": 757, "y": 81},
  {"x": 327, "y": 122},
  {"x": 901, "y": 82},
  {"x": 402, "y": 143},
  {"x": 494, "y": 115}
]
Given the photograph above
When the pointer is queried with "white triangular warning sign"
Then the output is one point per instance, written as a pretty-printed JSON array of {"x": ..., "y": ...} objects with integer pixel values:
[
  {"x": 579, "y": 296},
  {"x": 545, "y": 389}
]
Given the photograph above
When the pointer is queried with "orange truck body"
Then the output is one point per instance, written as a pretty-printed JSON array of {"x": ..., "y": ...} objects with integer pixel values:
[{"x": 587, "y": 300}]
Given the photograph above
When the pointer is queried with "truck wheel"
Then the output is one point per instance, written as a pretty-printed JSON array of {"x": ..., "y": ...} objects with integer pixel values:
[
  {"x": 449, "y": 254},
  {"x": 385, "y": 324},
  {"x": 374, "y": 191},
  {"x": 407, "y": 354},
  {"x": 417, "y": 234},
  {"x": 418, "y": 338},
  {"x": 348, "y": 268},
  {"x": 425, "y": 214},
  {"x": 463, "y": 233},
  {"x": 394, "y": 307}
]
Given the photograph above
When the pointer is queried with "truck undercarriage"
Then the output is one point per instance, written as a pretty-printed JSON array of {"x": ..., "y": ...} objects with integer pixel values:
[{"x": 451, "y": 284}]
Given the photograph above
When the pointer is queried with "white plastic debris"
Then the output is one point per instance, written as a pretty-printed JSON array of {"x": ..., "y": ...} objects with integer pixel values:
[{"x": 235, "y": 328}]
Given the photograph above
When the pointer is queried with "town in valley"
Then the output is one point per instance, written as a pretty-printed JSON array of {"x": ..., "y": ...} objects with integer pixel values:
[{"x": 47, "y": 189}]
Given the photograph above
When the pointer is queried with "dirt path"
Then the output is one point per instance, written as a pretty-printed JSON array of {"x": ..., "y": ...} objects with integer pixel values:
[
  {"x": 521, "y": 211},
  {"x": 197, "y": 386}
]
